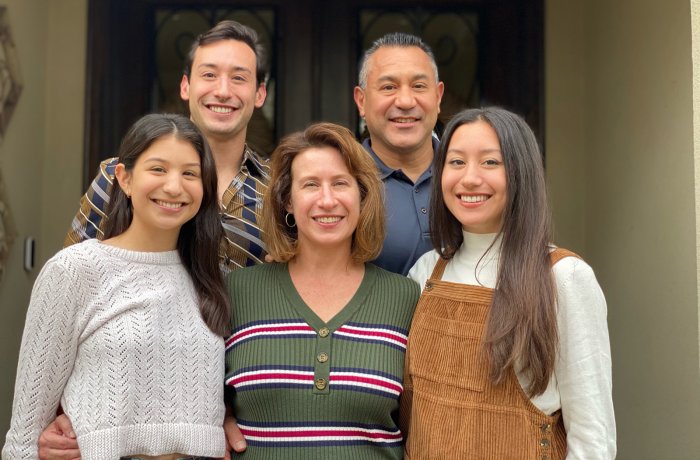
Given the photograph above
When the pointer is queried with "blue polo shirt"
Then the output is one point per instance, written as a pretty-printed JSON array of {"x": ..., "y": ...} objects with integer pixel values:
[{"x": 406, "y": 205}]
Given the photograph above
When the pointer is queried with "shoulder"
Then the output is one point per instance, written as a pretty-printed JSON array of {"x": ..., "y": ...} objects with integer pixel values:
[
  {"x": 570, "y": 269},
  {"x": 393, "y": 282},
  {"x": 255, "y": 275},
  {"x": 423, "y": 268}
]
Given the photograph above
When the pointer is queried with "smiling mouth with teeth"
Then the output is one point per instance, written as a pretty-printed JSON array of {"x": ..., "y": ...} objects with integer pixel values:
[
  {"x": 165, "y": 204},
  {"x": 404, "y": 120},
  {"x": 327, "y": 220},
  {"x": 218, "y": 109},
  {"x": 473, "y": 198}
]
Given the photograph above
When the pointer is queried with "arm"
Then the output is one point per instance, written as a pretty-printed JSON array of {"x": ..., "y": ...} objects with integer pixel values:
[
  {"x": 583, "y": 366},
  {"x": 89, "y": 221},
  {"x": 46, "y": 358}
]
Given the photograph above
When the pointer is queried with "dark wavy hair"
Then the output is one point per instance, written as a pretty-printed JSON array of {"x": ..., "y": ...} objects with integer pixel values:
[
  {"x": 199, "y": 238},
  {"x": 521, "y": 329}
]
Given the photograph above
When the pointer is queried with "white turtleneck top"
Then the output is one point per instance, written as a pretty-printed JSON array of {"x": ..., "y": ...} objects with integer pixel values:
[{"x": 581, "y": 385}]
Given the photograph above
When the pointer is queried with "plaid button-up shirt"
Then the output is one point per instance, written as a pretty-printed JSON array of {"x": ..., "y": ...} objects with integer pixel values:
[{"x": 240, "y": 211}]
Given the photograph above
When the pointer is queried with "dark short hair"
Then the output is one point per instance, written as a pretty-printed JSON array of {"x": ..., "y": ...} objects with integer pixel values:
[
  {"x": 396, "y": 40},
  {"x": 230, "y": 30}
]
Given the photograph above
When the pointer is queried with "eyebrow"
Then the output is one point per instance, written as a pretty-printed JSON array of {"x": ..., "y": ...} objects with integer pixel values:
[
  {"x": 163, "y": 160},
  {"x": 208, "y": 65}
]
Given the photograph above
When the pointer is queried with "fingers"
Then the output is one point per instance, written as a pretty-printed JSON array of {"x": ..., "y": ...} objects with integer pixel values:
[
  {"x": 234, "y": 437},
  {"x": 58, "y": 441},
  {"x": 64, "y": 426},
  {"x": 55, "y": 446}
]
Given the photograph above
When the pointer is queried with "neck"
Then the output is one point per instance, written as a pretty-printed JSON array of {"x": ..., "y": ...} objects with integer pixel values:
[
  {"x": 413, "y": 162},
  {"x": 322, "y": 262},
  {"x": 228, "y": 158}
]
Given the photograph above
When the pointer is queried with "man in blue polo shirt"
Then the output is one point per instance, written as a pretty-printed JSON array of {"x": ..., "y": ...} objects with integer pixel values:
[{"x": 398, "y": 96}]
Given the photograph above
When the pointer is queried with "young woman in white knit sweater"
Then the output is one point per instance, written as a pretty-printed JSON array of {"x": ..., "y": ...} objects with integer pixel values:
[
  {"x": 126, "y": 333},
  {"x": 509, "y": 344}
]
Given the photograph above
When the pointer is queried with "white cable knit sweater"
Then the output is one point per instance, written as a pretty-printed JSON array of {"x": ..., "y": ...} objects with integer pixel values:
[{"x": 116, "y": 337}]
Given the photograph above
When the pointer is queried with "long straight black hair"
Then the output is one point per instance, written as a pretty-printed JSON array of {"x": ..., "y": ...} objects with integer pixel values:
[
  {"x": 199, "y": 238},
  {"x": 521, "y": 328}
]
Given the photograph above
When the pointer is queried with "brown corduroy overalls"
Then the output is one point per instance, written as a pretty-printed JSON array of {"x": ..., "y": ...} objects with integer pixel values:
[{"x": 455, "y": 411}]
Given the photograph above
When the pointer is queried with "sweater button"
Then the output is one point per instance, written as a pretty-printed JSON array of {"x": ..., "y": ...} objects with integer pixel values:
[
  {"x": 546, "y": 427},
  {"x": 322, "y": 357},
  {"x": 428, "y": 286},
  {"x": 321, "y": 384},
  {"x": 323, "y": 332},
  {"x": 544, "y": 443}
]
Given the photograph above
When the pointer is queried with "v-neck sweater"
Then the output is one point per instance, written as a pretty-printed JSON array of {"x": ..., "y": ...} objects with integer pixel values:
[{"x": 304, "y": 388}]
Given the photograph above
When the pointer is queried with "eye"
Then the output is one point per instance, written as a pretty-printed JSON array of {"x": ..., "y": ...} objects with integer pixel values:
[
  {"x": 341, "y": 183},
  {"x": 239, "y": 78},
  {"x": 157, "y": 169},
  {"x": 309, "y": 184},
  {"x": 455, "y": 162},
  {"x": 492, "y": 162},
  {"x": 420, "y": 86},
  {"x": 387, "y": 87},
  {"x": 191, "y": 173},
  {"x": 208, "y": 75}
]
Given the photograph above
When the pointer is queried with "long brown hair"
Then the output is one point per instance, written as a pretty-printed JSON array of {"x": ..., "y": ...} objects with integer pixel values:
[
  {"x": 521, "y": 329},
  {"x": 281, "y": 239},
  {"x": 199, "y": 238}
]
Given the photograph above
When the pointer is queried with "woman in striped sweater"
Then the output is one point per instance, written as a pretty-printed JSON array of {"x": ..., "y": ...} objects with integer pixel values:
[{"x": 314, "y": 366}]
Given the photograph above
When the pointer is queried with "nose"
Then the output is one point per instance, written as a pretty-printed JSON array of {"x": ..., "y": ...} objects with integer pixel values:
[
  {"x": 173, "y": 184},
  {"x": 472, "y": 176},
  {"x": 405, "y": 99},
  {"x": 223, "y": 88},
  {"x": 327, "y": 199}
]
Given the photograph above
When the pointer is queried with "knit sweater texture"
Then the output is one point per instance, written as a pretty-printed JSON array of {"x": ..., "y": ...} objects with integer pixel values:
[
  {"x": 116, "y": 337},
  {"x": 302, "y": 388},
  {"x": 581, "y": 385}
]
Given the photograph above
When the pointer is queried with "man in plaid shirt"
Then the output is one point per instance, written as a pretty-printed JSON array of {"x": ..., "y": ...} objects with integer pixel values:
[{"x": 223, "y": 81}]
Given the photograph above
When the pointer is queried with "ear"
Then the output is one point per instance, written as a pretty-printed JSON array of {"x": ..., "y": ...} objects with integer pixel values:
[
  {"x": 123, "y": 178},
  {"x": 359, "y": 96},
  {"x": 440, "y": 91},
  {"x": 288, "y": 207},
  {"x": 185, "y": 88},
  {"x": 260, "y": 95}
]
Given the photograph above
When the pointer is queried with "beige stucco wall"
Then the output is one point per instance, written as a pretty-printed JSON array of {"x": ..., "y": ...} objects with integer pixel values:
[
  {"x": 41, "y": 156},
  {"x": 620, "y": 125}
]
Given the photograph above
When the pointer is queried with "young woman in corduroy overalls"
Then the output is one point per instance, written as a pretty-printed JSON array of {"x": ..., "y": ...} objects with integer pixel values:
[{"x": 508, "y": 354}]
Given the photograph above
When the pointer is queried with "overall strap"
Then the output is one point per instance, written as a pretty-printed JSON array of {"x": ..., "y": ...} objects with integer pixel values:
[
  {"x": 439, "y": 269},
  {"x": 560, "y": 253}
]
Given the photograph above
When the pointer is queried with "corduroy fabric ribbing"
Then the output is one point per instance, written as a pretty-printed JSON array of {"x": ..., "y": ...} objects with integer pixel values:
[
  {"x": 449, "y": 407},
  {"x": 280, "y": 349}
]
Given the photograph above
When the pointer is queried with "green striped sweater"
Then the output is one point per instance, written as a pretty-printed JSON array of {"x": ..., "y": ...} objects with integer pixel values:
[{"x": 301, "y": 388}]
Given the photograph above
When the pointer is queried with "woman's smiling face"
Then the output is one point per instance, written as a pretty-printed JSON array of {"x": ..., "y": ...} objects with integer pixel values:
[{"x": 474, "y": 178}]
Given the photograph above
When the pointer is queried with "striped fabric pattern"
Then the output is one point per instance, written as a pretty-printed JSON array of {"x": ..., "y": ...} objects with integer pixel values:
[
  {"x": 303, "y": 434},
  {"x": 241, "y": 208},
  {"x": 303, "y": 388},
  {"x": 346, "y": 378}
]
